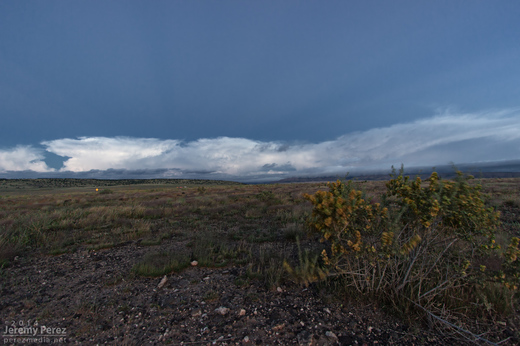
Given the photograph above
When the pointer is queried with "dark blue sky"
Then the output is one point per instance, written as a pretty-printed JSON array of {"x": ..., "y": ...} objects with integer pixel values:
[{"x": 270, "y": 71}]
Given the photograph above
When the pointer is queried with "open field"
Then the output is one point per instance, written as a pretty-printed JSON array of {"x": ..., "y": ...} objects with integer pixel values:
[{"x": 92, "y": 262}]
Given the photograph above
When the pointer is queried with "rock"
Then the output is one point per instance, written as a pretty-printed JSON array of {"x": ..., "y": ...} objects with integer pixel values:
[
  {"x": 278, "y": 327},
  {"x": 246, "y": 338},
  {"x": 163, "y": 282},
  {"x": 194, "y": 263},
  {"x": 331, "y": 335},
  {"x": 279, "y": 289},
  {"x": 222, "y": 310},
  {"x": 242, "y": 312},
  {"x": 196, "y": 313}
]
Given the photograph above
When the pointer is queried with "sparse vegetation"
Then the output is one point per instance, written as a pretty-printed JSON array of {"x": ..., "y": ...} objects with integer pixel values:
[
  {"x": 161, "y": 263},
  {"x": 414, "y": 247},
  {"x": 308, "y": 270}
]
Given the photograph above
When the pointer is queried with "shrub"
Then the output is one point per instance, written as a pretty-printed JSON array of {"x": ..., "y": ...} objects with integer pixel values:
[
  {"x": 425, "y": 243},
  {"x": 106, "y": 192}
]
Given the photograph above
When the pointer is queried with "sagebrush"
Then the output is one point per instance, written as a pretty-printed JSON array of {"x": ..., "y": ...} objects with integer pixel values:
[{"x": 427, "y": 245}]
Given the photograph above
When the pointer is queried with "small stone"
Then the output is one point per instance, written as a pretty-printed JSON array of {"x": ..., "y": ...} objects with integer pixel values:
[
  {"x": 196, "y": 313},
  {"x": 331, "y": 335},
  {"x": 279, "y": 289},
  {"x": 163, "y": 282},
  {"x": 222, "y": 310},
  {"x": 278, "y": 327},
  {"x": 194, "y": 263},
  {"x": 327, "y": 310},
  {"x": 246, "y": 338},
  {"x": 242, "y": 312},
  {"x": 370, "y": 329}
]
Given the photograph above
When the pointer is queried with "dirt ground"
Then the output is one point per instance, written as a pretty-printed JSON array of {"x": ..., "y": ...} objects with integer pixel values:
[{"x": 92, "y": 298}]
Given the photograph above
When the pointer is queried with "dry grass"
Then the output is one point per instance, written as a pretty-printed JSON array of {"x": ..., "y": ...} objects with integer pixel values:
[
  {"x": 66, "y": 219},
  {"x": 216, "y": 224}
]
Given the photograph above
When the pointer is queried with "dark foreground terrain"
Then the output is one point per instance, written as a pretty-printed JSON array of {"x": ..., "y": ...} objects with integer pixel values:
[
  {"x": 92, "y": 265},
  {"x": 90, "y": 294}
]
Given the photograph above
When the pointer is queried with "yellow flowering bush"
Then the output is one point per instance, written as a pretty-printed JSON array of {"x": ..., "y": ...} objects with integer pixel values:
[
  {"x": 341, "y": 215},
  {"x": 453, "y": 206},
  {"x": 425, "y": 242},
  {"x": 509, "y": 275}
]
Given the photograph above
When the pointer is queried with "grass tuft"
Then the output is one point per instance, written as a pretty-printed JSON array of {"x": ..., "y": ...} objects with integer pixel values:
[{"x": 161, "y": 263}]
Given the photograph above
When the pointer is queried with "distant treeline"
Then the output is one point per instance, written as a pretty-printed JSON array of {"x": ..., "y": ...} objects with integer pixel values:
[{"x": 69, "y": 182}]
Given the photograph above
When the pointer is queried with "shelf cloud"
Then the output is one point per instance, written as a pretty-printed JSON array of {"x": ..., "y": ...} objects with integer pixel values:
[{"x": 444, "y": 138}]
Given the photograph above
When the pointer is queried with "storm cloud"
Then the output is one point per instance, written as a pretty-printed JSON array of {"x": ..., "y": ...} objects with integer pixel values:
[
  {"x": 23, "y": 158},
  {"x": 444, "y": 138}
]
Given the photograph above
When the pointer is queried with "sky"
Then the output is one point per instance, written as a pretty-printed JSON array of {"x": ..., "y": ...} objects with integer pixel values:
[{"x": 255, "y": 90}]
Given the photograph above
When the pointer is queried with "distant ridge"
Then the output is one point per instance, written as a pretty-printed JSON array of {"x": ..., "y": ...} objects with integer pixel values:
[
  {"x": 387, "y": 176},
  {"x": 504, "y": 169}
]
